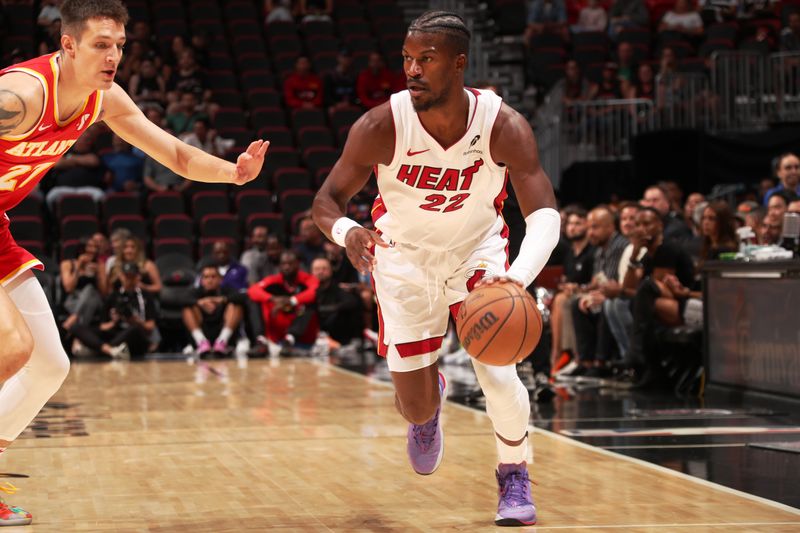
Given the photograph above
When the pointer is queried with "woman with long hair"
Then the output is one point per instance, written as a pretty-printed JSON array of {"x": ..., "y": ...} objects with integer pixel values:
[
  {"x": 718, "y": 229},
  {"x": 132, "y": 251},
  {"x": 83, "y": 280}
]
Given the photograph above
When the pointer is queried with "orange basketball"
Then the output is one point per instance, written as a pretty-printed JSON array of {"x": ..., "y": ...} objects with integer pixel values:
[{"x": 499, "y": 324}]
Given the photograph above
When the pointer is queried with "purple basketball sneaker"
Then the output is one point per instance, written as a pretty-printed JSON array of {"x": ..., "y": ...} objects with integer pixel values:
[
  {"x": 426, "y": 441},
  {"x": 516, "y": 505}
]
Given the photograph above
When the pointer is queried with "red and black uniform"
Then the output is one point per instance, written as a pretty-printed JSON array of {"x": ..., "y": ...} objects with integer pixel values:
[
  {"x": 26, "y": 158},
  {"x": 276, "y": 325}
]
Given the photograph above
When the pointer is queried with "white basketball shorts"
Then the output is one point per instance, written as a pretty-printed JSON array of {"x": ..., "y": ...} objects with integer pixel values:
[{"x": 417, "y": 289}]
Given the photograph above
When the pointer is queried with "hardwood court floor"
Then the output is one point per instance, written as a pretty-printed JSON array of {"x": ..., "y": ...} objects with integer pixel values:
[{"x": 303, "y": 446}]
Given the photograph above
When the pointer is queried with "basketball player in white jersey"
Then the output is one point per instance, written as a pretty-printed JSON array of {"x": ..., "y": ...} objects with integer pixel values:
[
  {"x": 46, "y": 103},
  {"x": 442, "y": 154}
]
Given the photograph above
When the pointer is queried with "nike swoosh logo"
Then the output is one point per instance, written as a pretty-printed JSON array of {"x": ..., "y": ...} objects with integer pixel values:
[
  {"x": 42, "y": 128},
  {"x": 410, "y": 153}
]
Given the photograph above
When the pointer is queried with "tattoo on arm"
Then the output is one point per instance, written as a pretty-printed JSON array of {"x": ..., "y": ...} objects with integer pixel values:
[{"x": 12, "y": 111}]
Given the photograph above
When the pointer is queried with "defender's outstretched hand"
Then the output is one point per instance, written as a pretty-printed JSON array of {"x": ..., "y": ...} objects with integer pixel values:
[{"x": 248, "y": 164}]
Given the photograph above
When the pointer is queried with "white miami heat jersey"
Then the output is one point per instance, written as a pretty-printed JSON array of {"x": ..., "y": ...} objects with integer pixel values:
[{"x": 438, "y": 198}]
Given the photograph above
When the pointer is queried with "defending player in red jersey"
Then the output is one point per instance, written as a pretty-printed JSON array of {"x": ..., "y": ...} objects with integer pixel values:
[
  {"x": 442, "y": 155},
  {"x": 45, "y": 105}
]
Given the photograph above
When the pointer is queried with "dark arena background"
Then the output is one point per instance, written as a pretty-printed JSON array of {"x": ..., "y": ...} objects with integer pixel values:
[{"x": 665, "y": 391}]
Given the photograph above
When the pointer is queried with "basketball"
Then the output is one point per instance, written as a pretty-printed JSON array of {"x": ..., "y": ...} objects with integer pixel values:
[{"x": 499, "y": 324}]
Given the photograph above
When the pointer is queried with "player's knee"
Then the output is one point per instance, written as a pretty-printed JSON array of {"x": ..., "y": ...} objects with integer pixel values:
[
  {"x": 17, "y": 350},
  {"x": 52, "y": 366}
]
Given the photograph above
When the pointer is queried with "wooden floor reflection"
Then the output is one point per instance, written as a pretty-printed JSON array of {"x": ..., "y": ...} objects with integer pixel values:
[{"x": 301, "y": 446}]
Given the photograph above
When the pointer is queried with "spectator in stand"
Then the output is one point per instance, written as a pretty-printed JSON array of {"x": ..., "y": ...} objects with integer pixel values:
[
  {"x": 609, "y": 87},
  {"x": 790, "y": 35},
  {"x": 201, "y": 47},
  {"x": 755, "y": 9},
  {"x": 692, "y": 201},
  {"x": 719, "y": 231},
  {"x": 208, "y": 140},
  {"x": 48, "y": 13},
  {"x": 133, "y": 252},
  {"x": 627, "y": 14},
  {"x": 766, "y": 184},
  {"x": 594, "y": 338},
  {"x": 644, "y": 280},
  {"x": 284, "y": 299},
  {"x": 668, "y": 62},
  {"x": 142, "y": 33},
  {"x": 310, "y": 243},
  {"x": 753, "y": 220},
  {"x": 339, "y": 310},
  {"x": 674, "y": 194},
  {"x": 574, "y": 87},
  {"x": 302, "y": 88},
  {"x": 644, "y": 86},
  {"x": 626, "y": 64},
  {"x": 147, "y": 87},
  {"x": 256, "y": 259},
  {"x": 316, "y": 10},
  {"x": 51, "y": 39},
  {"x": 376, "y": 82},
  {"x": 769, "y": 230},
  {"x": 779, "y": 203},
  {"x": 83, "y": 280},
  {"x": 682, "y": 18},
  {"x": 103, "y": 248},
  {"x": 794, "y": 207},
  {"x": 124, "y": 168},
  {"x": 135, "y": 55},
  {"x": 128, "y": 319},
  {"x": 234, "y": 274},
  {"x": 183, "y": 116},
  {"x": 260, "y": 260},
  {"x": 343, "y": 270},
  {"x": 78, "y": 172},
  {"x": 592, "y": 17},
  {"x": 673, "y": 226},
  {"x": 280, "y": 10},
  {"x": 617, "y": 310},
  {"x": 187, "y": 78},
  {"x": 340, "y": 83},
  {"x": 577, "y": 271},
  {"x": 118, "y": 238},
  {"x": 546, "y": 16},
  {"x": 215, "y": 312},
  {"x": 786, "y": 168}
]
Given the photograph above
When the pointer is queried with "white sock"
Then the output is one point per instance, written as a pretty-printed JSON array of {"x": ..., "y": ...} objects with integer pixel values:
[
  {"x": 512, "y": 454},
  {"x": 197, "y": 335},
  {"x": 225, "y": 334}
]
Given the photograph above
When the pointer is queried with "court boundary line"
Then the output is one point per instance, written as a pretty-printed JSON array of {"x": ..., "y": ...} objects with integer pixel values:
[
  {"x": 679, "y": 526},
  {"x": 608, "y": 453}
]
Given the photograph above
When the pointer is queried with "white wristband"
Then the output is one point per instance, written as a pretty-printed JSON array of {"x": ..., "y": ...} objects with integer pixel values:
[
  {"x": 340, "y": 229},
  {"x": 542, "y": 231}
]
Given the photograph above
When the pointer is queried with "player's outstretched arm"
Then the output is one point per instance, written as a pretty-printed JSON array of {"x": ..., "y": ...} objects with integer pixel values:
[
  {"x": 369, "y": 142},
  {"x": 128, "y": 121},
  {"x": 514, "y": 145}
]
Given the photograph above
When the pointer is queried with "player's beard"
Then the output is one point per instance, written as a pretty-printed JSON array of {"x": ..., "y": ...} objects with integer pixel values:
[{"x": 434, "y": 100}]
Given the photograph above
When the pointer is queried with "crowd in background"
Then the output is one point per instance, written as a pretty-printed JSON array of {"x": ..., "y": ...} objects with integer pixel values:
[{"x": 629, "y": 268}]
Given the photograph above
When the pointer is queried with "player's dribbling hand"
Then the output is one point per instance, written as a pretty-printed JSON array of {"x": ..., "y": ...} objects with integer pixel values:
[
  {"x": 249, "y": 162},
  {"x": 359, "y": 243},
  {"x": 490, "y": 280}
]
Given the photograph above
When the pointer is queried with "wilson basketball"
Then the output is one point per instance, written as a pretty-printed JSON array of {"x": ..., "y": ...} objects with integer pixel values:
[{"x": 499, "y": 324}]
